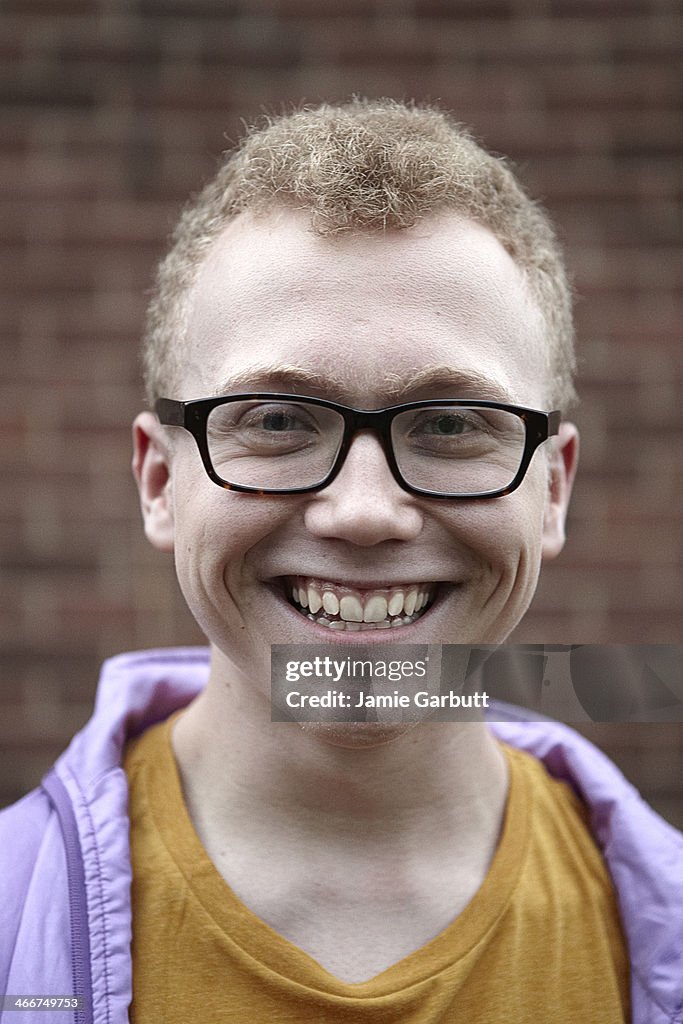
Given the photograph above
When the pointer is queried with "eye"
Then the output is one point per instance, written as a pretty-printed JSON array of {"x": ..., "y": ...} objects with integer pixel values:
[
  {"x": 279, "y": 420},
  {"x": 460, "y": 432},
  {"x": 446, "y": 424},
  {"x": 273, "y": 443},
  {"x": 241, "y": 418},
  {"x": 261, "y": 429}
]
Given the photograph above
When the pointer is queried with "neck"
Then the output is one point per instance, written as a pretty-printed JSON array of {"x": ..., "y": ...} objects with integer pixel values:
[{"x": 240, "y": 769}]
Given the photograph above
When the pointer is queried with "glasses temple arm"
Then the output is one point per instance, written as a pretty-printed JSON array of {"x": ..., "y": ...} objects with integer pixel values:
[{"x": 170, "y": 412}]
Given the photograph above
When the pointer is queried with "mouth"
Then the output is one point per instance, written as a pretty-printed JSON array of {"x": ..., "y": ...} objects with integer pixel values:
[{"x": 343, "y": 608}]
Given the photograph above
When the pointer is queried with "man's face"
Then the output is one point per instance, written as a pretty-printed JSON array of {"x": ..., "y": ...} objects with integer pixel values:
[{"x": 436, "y": 311}]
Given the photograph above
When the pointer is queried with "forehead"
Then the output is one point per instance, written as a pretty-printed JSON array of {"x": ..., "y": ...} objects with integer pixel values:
[{"x": 362, "y": 317}]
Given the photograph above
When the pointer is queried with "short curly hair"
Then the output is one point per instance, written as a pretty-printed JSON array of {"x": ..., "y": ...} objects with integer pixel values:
[{"x": 362, "y": 166}]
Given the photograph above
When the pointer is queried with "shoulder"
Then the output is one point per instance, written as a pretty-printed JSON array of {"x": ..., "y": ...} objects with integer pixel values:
[
  {"x": 33, "y": 886},
  {"x": 618, "y": 814},
  {"x": 23, "y": 827},
  {"x": 642, "y": 852}
]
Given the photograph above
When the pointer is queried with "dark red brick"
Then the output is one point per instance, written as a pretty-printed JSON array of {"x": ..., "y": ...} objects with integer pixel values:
[{"x": 110, "y": 122}]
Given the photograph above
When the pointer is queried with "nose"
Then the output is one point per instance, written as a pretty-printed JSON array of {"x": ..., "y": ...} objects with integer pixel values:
[{"x": 364, "y": 504}]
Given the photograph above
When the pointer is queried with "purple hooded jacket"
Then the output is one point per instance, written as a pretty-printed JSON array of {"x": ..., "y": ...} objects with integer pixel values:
[{"x": 65, "y": 864}]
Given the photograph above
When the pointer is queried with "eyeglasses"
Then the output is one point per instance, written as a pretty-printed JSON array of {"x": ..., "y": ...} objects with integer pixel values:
[{"x": 286, "y": 444}]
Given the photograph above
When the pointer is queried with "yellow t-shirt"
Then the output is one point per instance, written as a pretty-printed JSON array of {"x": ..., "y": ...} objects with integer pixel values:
[{"x": 540, "y": 941}]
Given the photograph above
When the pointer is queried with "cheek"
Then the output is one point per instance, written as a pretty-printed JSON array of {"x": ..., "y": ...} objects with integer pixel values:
[
  {"x": 204, "y": 539},
  {"x": 504, "y": 541},
  {"x": 517, "y": 538},
  {"x": 218, "y": 534},
  {"x": 518, "y": 532},
  {"x": 502, "y": 532},
  {"x": 522, "y": 529},
  {"x": 197, "y": 577}
]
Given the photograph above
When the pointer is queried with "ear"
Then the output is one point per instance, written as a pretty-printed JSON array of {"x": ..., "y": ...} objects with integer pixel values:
[
  {"x": 152, "y": 472},
  {"x": 563, "y": 463}
]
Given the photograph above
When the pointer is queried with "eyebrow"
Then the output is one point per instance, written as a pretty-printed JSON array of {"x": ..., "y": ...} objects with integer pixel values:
[{"x": 289, "y": 379}]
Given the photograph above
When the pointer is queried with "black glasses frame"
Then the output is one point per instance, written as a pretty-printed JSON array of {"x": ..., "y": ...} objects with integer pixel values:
[{"x": 193, "y": 416}]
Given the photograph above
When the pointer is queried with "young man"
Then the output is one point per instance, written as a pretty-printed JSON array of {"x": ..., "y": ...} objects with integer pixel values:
[{"x": 346, "y": 261}]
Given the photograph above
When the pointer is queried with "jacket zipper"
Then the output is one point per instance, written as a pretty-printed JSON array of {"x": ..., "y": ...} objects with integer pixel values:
[{"x": 78, "y": 905}]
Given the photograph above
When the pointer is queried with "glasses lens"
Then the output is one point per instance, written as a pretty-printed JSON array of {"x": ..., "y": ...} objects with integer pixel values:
[
  {"x": 273, "y": 445},
  {"x": 458, "y": 449}
]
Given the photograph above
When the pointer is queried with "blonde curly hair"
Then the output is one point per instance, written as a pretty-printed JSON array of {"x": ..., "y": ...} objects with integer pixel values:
[{"x": 363, "y": 166}]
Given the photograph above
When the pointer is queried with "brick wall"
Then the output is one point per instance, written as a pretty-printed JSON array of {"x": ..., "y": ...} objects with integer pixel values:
[{"x": 114, "y": 110}]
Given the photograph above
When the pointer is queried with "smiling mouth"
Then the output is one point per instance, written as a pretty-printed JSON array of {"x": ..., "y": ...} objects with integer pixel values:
[{"x": 343, "y": 608}]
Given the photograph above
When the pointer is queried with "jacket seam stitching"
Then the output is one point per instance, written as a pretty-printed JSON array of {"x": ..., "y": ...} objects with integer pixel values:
[{"x": 101, "y": 901}]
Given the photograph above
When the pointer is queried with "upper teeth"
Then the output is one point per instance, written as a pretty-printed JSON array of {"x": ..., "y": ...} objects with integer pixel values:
[{"x": 355, "y": 606}]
